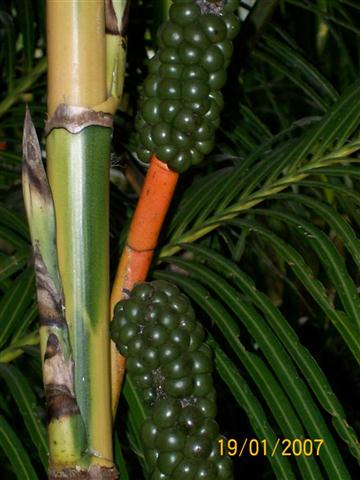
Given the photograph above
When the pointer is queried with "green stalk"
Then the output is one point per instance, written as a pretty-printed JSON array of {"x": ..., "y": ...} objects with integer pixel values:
[
  {"x": 65, "y": 426},
  {"x": 85, "y": 75}
]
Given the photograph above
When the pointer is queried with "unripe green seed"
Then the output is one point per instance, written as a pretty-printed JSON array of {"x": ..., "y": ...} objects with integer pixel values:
[
  {"x": 170, "y": 88},
  {"x": 150, "y": 357},
  {"x": 143, "y": 381},
  {"x": 190, "y": 54},
  {"x": 157, "y": 335},
  {"x": 166, "y": 152},
  {"x": 166, "y": 412},
  {"x": 172, "y": 34},
  {"x": 194, "y": 35},
  {"x": 169, "y": 352},
  {"x": 180, "y": 303},
  {"x": 212, "y": 59},
  {"x": 169, "y": 55},
  {"x": 169, "y": 318},
  {"x": 197, "y": 446},
  {"x": 170, "y": 439},
  {"x": 182, "y": 140},
  {"x": 148, "y": 432},
  {"x": 168, "y": 461},
  {"x": 181, "y": 337},
  {"x": 181, "y": 162},
  {"x": 205, "y": 146},
  {"x": 180, "y": 387},
  {"x": 185, "y": 120},
  {"x": 171, "y": 70},
  {"x": 161, "y": 133},
  {"x": 168, "y": 109},
  {"x": 214, "y": 27},
  {"x": 194, "y": 90},
  {"x": 151, "y": 457},
  {"x": 184, "y": 14},
  {"x": 151, "y": 85},
  {"x": 191, "y": 419},
  {"x": 232, "y": 25},
  {"x": 194, "y": 71},
  {"x": 200, "y": 108},
  {"x": 217, "y": 79},
  {"x": 178, "y": 368},
  {"x": 205, "y": 131},
  {"x": 186, "y": 470},
  {"x": 151, "y": 111}
]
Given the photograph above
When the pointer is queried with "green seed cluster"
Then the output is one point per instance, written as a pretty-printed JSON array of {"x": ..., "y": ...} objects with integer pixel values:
[
  {"x": 181, "y": 101},
  {"x": 156, "y": 330}
]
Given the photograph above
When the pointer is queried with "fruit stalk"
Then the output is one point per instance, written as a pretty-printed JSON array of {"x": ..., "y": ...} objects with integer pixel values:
[{"x": 151, "y": 210}]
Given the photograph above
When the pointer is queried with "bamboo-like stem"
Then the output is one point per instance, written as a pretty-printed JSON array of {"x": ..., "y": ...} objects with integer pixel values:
[
  {"x": 150, "y": 213},
  {"x": 83, "y": 55},
  {"x": 64, "y": 420}
]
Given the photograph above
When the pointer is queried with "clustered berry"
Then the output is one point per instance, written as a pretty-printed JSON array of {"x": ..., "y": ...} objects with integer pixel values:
[
  {"x": 156, "y": 330},
  {"x": 181, "y": 99}
]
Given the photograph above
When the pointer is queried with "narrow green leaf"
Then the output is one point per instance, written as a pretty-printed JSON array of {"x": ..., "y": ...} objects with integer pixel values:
[
  {"x": 314, "y": 286},
  {"x": 303, "y": 358},
  {"x": 256, "y": 414},
  {"x": 12, "y": 264},
  {"x": 329, "y": 257},
  {"x": 14, "y": 304},
  {"x": 27, "y": 404},
  {"x": 13, "y": 449}
]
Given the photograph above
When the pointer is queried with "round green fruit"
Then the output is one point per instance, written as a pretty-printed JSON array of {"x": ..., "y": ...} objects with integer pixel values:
[
  {"x": 172, "y": 34},
  {"x": 166, "y": 152},
  {"x": 168, "y": 352},
  {"x": 182, "y": 140},
  {"x": 169, "y": 88},
  {"x": 178, "y": 368},
  {"x": 194, "y": 35},
  {"x": 148, "y": 432},
  {"x": 166, "y": 412},
  {"x": 180, "y": 387},
  {"x": 194, "y": 90},
  {"x": 142, "y": 291},
  {"x": 214, "y": 27},
  {"x": 161, "y": 134},
  {"x": 170, "y": 439},
  {"x": 212, "y": 59},
  {"x": 181, "y": 162},
  {"x": 185, "y": 120},
  {"x": 169, "y": 55},
  {"x": 143, "y": 153},
  {"x": 168, "y": 461},
  {"x": 184, "y": 14},
  {"x": 197, "y": 446},
  {"x": 156, "y": 335},
  {"x": 150, "y": 111},
  {"x": 186, "y": 470},
  {"x": 194, "y": 71},
  {"x": 190, "y": 54},
  {"x": 191, "y": 419},
  {"x": 171, "y": 70},
  {"x": 151, "y": 85},
  {"x": 232, "y": 25},
  {"x": 169, "y": 109}
]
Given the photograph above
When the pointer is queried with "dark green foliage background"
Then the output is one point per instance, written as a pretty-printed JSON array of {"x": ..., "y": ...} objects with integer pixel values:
[{"x": 271, "y": 220}]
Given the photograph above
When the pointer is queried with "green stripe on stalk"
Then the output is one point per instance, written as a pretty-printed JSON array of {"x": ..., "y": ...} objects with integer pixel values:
[{"x": 78, "y": 169}]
